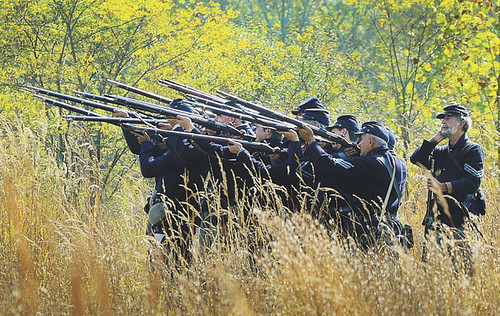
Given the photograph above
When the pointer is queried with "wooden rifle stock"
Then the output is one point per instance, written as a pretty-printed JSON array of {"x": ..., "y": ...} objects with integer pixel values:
[
  {"x": 170, "y": 112},
  {"x": 200, "y": 137}
]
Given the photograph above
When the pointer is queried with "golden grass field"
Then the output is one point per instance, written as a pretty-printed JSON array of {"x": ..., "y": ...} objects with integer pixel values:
[{"x": 66, "y": 251}]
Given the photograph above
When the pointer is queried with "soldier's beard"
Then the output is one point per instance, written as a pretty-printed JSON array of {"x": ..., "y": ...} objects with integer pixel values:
[{"x": 448, "y": 131}]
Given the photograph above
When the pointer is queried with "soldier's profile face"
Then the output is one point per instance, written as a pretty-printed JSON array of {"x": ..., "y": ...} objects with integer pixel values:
[
  {"x": 261, "y": 134},
  {"x": 450, "y": 125},
  {"x": 365, "y": 144},
  {"x": 223, "y": 119},
  {"x": 336, "y": 131}
]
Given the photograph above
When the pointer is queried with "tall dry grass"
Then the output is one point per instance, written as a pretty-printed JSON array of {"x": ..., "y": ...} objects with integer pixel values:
[{"x": 65, "y": 251}]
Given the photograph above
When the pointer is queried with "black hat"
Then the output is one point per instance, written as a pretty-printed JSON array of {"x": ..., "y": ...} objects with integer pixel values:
[
  {"x": 319, "y": 115},
  {"x": 310, "y": 103},
  {"x": 454, "y": 109},
  {"x": 376, "y": 129},
  {"x": 181, "y": 105},
  {"x": 346, "y": 121},
  {"x": 247, "y": 129}
]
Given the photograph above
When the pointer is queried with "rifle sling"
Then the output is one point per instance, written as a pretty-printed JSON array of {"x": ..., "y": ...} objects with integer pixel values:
[{"x": 392, "y": 184}]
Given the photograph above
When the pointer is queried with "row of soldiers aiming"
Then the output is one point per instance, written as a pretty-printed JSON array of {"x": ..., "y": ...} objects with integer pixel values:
[{"x": 345, "y": 174}]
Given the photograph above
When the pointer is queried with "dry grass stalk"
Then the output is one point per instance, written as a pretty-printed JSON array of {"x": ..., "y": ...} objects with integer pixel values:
[{"x": 64, "y": 250}]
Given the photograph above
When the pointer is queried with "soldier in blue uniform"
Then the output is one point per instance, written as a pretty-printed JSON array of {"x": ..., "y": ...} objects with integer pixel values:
[
  {"x": 458, "y": 171},
  {"x": 174, "y": 206},
  {"x": 229, "y": 181},
  {"x": 346, "y": 126},
  {"x": 271, "y": 137},
  {"x": 371, "y": 183}
]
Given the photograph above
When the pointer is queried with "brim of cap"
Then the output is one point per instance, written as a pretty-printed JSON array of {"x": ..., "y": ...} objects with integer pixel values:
[
  {"x": 295, "y": 112},
  {"x": 442, "y": 115}
]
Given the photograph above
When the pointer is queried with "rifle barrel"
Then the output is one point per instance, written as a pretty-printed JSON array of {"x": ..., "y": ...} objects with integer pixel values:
[
  {"x": 86, "y": 102},
  {"x": 216, "y": 139},
  {"x": 144, "y": 93},
  {"x": 114, "y": 120},
  {"x": 278, "y": 115},
  {"x": 189, "y": 90},
  {"x": 429, "y": 214},
  {"x": 67, "y": 106},
  {"x": 93, "y": 96},
  {"x": 169, "y": 112},
  {"x": 257, "y": 119}
]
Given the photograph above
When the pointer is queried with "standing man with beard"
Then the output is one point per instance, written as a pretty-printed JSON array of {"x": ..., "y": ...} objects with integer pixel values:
[{"x": 458, "y": 171}]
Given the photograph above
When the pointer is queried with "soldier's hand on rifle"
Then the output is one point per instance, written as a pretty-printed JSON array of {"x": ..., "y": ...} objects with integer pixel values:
[
  {"x": 351, "y": 151},
  {"x": 306, "y": 133},
  {"x": 290, "y": 135},
  {"x": 276, "y": 154},
  {"x": 185, "y": 123},
  {"x": 435, "y": 185},
  {"x": 119, "y": 113},
  {"x": 234, "y": 147},
  {"x": 141, "y": 137},
  {"x": 165, "y": 126}
]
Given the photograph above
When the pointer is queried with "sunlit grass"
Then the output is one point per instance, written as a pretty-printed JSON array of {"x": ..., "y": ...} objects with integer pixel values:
[{"x": 65, "y": 250}]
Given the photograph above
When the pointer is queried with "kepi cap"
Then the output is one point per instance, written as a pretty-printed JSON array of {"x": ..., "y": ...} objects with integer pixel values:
[
  {"x": 376, "y": 129},
  {"x": 319, "y": 115},
  {"x": 346, "y": 121},
  {"x": 247, "y": 129},
  {"x": 454, "y": 109},
  {"x": 309, "y": 103},
  {"x": 181, "y": 105}
]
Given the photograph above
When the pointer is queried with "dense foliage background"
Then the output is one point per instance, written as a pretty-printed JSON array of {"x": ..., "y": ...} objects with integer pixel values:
[{"x": 393, "y": 61}]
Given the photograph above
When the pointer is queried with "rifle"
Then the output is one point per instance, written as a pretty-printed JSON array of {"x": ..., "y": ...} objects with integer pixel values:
[
  {"x": 216, "y": 139},
  {"x": 256, "y": 119},
  {"x": 126, "y": 123},
  {"x": 206, "y": 104},
  {"x": 142, "y": 107},
  {"x": 86, "y": 102},
  {"x": 213, "y": 102},
  {"x": 68, "y": 107},
  {"x": 94, "y": 96},
  {"x": 150, "y": 95},
  {"x": 154, "y": 133},
  {"x": 188, "y": 90},
  {"x": 275, "y": 120},
  {"x": 115, "y": 120},
  {"x": 280, "y": 116},
  {"x": 169, "y": 112},
  {"x": 156, "y": 138},
  {"x": 429, "y": 213}
]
